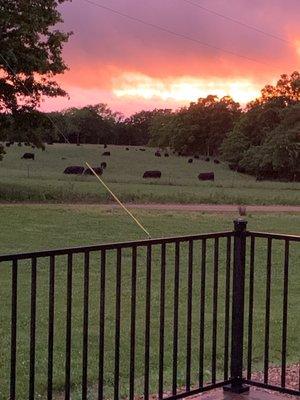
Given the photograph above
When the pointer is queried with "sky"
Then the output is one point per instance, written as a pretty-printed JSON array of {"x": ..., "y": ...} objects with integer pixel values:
[{"x": 133, "y": 66}]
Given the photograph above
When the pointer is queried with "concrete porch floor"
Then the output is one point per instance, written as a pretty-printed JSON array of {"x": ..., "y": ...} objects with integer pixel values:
[{"x": 253, "y": 394}]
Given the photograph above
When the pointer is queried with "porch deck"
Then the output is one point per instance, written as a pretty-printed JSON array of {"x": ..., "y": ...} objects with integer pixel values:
[{"x": 253, "y": 394}]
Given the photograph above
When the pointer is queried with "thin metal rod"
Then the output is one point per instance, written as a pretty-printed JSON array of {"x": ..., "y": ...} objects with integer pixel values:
[
  {"x": 85, "y": 334},
  {"x": 175, "y": 319},
  {"x": 285, "y": 313},
  {"x": 51, "y": 327},
  {"x": 162, "y": 322},
  {"x": 202, "y": 313},
  {"x": 118, "y": 201},
  {"x": 117, "y": 326},
  {"x": 227, "y": 308},
  {"x": 14, "y": 316},
  {"x": 101, "y": 324},
  {"x": 133, "y": 323},
  {"x": 68, "y": 328},
  {"x": 251, "y": 301},
  {"x": 32, "y": 330},
  {"x": 147, "y": 325},
  {"x": 215, "y": 311},
  {"x": 189, "y": 318},
  {"x": 267, "y": 307}
]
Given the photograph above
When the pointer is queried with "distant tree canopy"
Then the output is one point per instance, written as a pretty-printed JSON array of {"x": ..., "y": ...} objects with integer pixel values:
[
  {"x": 199, "y": 128},
  {"x": 265, "y": 141}
]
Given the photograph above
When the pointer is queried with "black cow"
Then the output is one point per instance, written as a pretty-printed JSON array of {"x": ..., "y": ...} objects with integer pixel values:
[
  {"x": 103, "y": 165},
  {"x": 27, "y": 144},
  {"x": 106, "y": 153},
  {"x": 74, "y": 170},
  {"x": 166, "y": 155},
  {"x": 7, "y": 144},
  {"x": 105, "y": 145},
  {"x": 216, "y": 161},
  {"x": 19, "y": 144},
  {"x": 241, "y": 170},
  {"x": 28, "y": 156},
  {"x": 206, "y": 176},
  {"x": 207, "y": 159},
  {"x": 152, "y": 174},
  {"x": 232, "y": 166},
  {"x": 196, "y": 156},
  {"x": 127, "y": 148},
  {"x": 142, "y": 149},
  {"x": 98, "y": 170},
  {"x": 157, "y": 154},
  {"x": 190, "y": 160}
]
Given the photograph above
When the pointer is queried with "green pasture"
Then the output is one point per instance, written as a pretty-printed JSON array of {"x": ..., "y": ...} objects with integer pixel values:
[
  {"x": 43, "y": 180},
  {"x": 36, "y": 227}
]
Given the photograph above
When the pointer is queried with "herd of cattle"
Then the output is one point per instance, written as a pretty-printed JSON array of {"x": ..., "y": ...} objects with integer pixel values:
[{"x": 153, "y": 174}]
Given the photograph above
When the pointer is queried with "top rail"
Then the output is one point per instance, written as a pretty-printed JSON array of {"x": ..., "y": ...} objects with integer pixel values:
[
  {"x": 279, "y": 236},
  {"x": 111, "y": 246}
]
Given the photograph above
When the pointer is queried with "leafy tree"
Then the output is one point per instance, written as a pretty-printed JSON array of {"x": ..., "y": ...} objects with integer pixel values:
[{"x": 30, "y": 54}]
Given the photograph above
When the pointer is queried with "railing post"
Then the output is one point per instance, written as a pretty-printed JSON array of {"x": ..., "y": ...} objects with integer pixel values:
[{"x": 238, "y": 294}]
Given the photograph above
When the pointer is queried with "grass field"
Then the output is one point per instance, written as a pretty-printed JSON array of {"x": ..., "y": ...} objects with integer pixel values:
[
  {"x": 35, "y": 227},
  {"x": 43, "y": 180}
]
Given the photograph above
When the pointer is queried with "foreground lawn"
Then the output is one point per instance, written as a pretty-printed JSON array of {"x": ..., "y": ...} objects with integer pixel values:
[
  {"x": 43, "y": 179},
  {"x": 28, "y": 227}
]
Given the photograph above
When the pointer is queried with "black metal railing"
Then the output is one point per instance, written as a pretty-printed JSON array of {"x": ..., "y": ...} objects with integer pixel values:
[{"x": 172, "y": 316}]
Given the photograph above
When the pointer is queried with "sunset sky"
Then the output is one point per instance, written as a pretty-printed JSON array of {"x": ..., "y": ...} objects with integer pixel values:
[{"x": 131, "y": 66}]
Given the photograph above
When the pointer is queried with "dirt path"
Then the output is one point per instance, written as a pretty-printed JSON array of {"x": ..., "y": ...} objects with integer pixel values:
[{"x": 221, "y": 208}]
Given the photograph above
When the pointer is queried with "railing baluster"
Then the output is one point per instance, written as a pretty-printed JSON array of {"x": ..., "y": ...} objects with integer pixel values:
[
  {"x": 189, "y": 317},
  {"x": 85, "y": 333},
  {"x": 51, "y": 327},
  {"x": 162, "y": 321},
  {"x": 202, "y": 313},
  {"x": 147, "y": 324},
  {"x": 251, "y": 298},
  {"x": 132, "y": 324},
  {"x": 68, "y": 328},
  {"x": 32, "y": 330},
  {"x": 14, "y": 317},
  {"x": 267, "y": 317},
  {"x": 101, "y": 323},
  {"x": 285, "y": 312},
  {"x": 215, "y": 310},
  {"x": 175, "y": 318},
  {"x": 227, "y": 308},
  {"x": 117, "y": 325}
]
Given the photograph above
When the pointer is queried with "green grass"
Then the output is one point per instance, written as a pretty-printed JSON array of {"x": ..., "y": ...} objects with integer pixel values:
[
  {"x": 29, "y": 227},
  {"x": 43, "y": 180}
]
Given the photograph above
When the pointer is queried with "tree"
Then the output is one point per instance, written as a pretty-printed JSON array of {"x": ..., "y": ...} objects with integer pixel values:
[
  {"x": 30, "y": 53},
  {"x": 286, "y": 92}
]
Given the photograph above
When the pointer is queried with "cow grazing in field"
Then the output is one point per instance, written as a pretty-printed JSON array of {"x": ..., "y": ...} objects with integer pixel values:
[
  {"x": 74, "y": 170},
  {"x": 105, "y": 145},
  {"x": 196, "y": 156},
  {"x": 106, "y": 153},
  {"x": 152, "y": 174},
  {"x": 216, "y": 161},
  {"x": 240, "y": 169},
  {"x": 207, "y": 159},
  {"x": 77, "y": 144},
  {"x": 127, "y": 148},
  {"x": 7, "y": 144},
  {"x": 27, "y": 144},
  {"x": 103, "y": 165},
  {"x": 157, "y": 154},
  {"x": 206, "y": 176},
  {"x": 98, "y": 170},
  {"x": 166, "y": 154},
  {"x": 20, "y": 144},
  {"x": 28, "y": 156},
  {"x": 142, "y": 149},
  {"x": 190, "y": 160}
]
